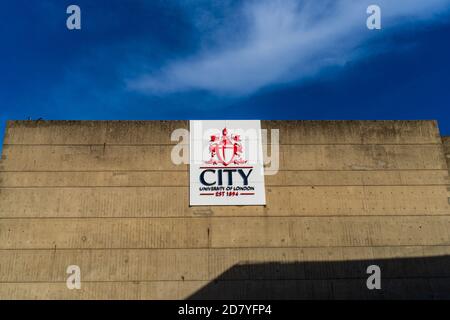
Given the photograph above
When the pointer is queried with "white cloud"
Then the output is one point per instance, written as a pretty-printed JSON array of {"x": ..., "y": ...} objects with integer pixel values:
[{"x": 282, "y": 41}]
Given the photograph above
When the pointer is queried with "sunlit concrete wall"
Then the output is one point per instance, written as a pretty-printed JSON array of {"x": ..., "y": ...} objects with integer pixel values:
[
  {"x": 105, "y": 196},
  {"x": 446, "y": 144}
]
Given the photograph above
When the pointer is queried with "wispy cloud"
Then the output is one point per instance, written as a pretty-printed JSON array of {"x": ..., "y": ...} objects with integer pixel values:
[{"x": 280, "y": 41}]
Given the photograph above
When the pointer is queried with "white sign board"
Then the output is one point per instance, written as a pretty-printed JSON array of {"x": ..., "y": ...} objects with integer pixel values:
[{"x": 226, "y": 163}]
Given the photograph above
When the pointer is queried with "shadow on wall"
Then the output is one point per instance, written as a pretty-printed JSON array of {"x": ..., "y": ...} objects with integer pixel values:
[{"x": 405, "y": 278}]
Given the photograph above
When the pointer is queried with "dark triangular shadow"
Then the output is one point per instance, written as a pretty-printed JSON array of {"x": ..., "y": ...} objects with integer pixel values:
[{"x": 402, "y": 278}]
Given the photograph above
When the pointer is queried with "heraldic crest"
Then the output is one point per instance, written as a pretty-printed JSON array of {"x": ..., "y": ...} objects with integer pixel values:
[{"x": 226, "y": 149}]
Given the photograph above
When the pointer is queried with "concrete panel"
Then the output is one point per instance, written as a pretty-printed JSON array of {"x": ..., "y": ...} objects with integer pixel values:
[
  {"x": 361, "y": 157},
  {"x": 172, "y": 202},
  {"x": 178, "y": 264},
  {"x": 132, "y": 290},
  {"x": 355, "y": 132},
  {"x": 91, "y": 132},
  {"x": 356, "y": 178},
  {"x": 181, "y": 178},
  {"x": 446, "y": 144},
  {"x": 292, "y": 157},
  {"x": 112, "y": 178},
  {"x": 158, "y": 132},
  {"x": 88, "y": 158},
  {"x": 223, "y": 232},
  {"x": 403, "y": 288}
]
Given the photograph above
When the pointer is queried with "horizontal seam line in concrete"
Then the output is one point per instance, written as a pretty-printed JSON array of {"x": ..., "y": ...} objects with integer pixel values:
[
  {"x": 224, "y": 248},
  {"x": 176, "y": 144},
  {"x": 231, "y": 280},
  {"x": 187, "y": 171},
  {"x": 209, "y": 216},
  {"x": 415, "y": 247},
  {"x": 267, "y": 186}
]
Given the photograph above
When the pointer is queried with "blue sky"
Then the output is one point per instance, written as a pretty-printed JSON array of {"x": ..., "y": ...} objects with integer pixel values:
[{"x": 198, "y": 59}]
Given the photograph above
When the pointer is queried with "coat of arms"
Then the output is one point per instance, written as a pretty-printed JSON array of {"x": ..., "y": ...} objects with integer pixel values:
[{"x": 226, "y": 149}]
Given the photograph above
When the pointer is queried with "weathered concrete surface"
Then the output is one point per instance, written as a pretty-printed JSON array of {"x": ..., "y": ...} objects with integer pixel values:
[
  {"x": 446, "y": 143},
  {"x": 181, "y": 178},
  {"x": 400, "y": 288},
  {"x": 158, "y": 132},
  {"x": 171, "y": 202},
  {"x": 175, "y": 264},
  {"x": 152, "y": 157},
  {"x": 221, "y": 232},
  {"x": 105, "y": 196}
]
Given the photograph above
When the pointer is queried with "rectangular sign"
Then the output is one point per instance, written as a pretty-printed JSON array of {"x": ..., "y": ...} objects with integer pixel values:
[{"x": 226, "y": 163}]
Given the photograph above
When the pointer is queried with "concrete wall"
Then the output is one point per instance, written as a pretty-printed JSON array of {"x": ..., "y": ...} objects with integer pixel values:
[
  {"x": 106, "y": 196},
  {"x": 446, "y": 144}
]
